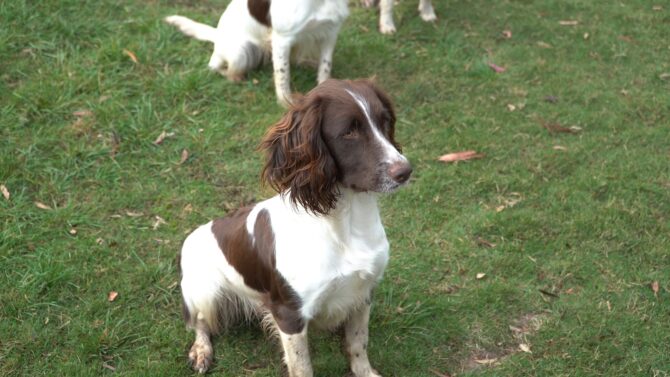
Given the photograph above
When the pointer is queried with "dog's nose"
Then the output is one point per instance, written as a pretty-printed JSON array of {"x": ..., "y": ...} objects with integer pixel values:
[{"x": 400, "y": 171}]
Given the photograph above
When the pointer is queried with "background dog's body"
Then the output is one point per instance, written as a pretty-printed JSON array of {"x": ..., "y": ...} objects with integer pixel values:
[{"x": 251, "y": 31}]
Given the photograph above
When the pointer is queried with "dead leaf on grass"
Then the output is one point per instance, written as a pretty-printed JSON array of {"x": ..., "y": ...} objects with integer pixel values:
[
  {"x": 497, "y": 68},
  {"x": 480, "y": 275},
  {"x": 525, "y": 348},
  {"x": 626, "y": 38},
  {"x": 41, "y": 205},
  {"x": 542, "y": 44},
  {"x": 507, "y": 34},
  {"x": 131, "y": 55},
  {"x": 134, "y": 214},
  {"x": 655, "y": 287},
  {"x": 557, "y": 128},
  {"x": 5, "y": 192},
  {"x": 482, "y": 242},
  {"x": 461, "y": 156},
  {"x": 82, "y": 113},
  {"x": 664, "y": 76},
  {"x": 73, "y": 231},
  {"x": 568, "y": 22},
  {"x": 486, "y": 361},
  {"x": 112, "y": 295},
  {"x": 184, "y": 156},
  {"x": 158, "y": 221},
  {"x": 559, "y": 148},
  {"x": 657, "y": 8}
]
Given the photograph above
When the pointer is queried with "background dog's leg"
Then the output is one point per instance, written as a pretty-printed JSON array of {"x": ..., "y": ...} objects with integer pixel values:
[
  {"x": 426, "y": 10},
  {"x": 356, "y": 342},
  {"x": 326, "y": 58},
  {"x": 200, "y": 355},
  {"x": 386, "y": 25},
  {"x": 296, "y": 353},
  {"x": 281, "y": 54}
]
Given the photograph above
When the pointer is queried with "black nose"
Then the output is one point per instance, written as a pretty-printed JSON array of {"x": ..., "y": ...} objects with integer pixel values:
[{"x": 400, "y": 171}]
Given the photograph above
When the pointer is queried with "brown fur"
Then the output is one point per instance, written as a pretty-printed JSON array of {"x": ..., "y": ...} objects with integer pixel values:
[
  {"x": 255, "y": 261},
  {"x": 260, "y": 10}
]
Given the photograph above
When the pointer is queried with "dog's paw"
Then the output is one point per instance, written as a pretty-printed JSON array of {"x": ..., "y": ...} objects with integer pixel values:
[
  {"x": 387, "y": 27},
  {"x": 200, "y": 357},
  {"x": 427, "y": 12}
]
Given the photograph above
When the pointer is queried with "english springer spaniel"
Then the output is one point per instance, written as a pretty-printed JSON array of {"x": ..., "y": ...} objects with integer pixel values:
[
  {"x": 386, "y": 25},
  {"x": 311, "y": 255},
  {"x": 250, "y": 30}
]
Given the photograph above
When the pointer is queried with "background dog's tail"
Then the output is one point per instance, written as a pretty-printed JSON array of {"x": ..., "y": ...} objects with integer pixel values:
[{"x": 193, "y": 29}]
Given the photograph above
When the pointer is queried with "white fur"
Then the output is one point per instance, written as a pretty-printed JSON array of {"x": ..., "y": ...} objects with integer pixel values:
[
  {"x": 386, "y": 24},
  {"x": 303, "y": 29}
]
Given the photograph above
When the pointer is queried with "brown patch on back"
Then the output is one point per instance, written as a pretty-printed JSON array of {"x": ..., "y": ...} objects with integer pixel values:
[
  {"x": 255, "y": 261},
  {"x": 260, "y": 10}
]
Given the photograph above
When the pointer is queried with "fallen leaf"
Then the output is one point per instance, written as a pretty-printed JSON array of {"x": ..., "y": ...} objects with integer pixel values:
[
  {"x": 655, "y": 288},
  {"x": 557, "y": 128},
  {"x": 609, "y": 306},
  {"x": 550, "y": 294},
  {"x": 664, "y": 76},
  {"x": 112, "y": 295},
  {"x": 507, "y": 34},
  {"x": 586, "y": 36},
  {"x": 134, "y": 214},
  {"x": 164, "y": 135},
  {"x": 511, "y": 107},
  {"x": 559, "y": 148},
  {"x": 188, "y": 208},
  {"x": 500, "y": 208},
  {"x": 569, "y": 291},
  {"x": 525, "y": 348},
  {"x": 99, "y": 241},
  {"x": 542, "y": 44},
  {"x": 568, "y": 22},
  {"x": 657, "y": 8},
  {"x": 73, "y": 231},
  {"x": 105, "y": 365},
  {"x": 115, "y": 141},
  {"x": 131, "y": 55},
  {"x": 254, "y": 81},
  {"x": 497, "y": 68},
  {"x": 480, "y": 275},
  {"x": 486, "y": 361},
  {"x": 626, "y": 38},
  {"x": 82, "y": 113},
  {"x": 5, "y": 192},
  {"x": 482, "y": 242},
  {"x": 460, "y": 156},
  {"x": 184, "y": 156},
  {"x": 41, "y": 205},
  {"x": 158, "y": 222}
]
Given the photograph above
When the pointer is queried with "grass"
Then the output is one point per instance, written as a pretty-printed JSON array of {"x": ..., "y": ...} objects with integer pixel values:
[{"x": 587, "y": 223}]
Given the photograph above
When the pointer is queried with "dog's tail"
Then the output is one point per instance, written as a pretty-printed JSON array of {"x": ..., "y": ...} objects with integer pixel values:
[{"x": 193, "y": 29}]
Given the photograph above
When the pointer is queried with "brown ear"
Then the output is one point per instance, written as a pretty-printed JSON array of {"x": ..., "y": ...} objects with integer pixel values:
[{"x": 298, "y": 162}]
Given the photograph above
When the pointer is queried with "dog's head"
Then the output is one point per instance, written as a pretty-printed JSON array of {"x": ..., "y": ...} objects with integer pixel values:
[{"x": 341, "y": 134}]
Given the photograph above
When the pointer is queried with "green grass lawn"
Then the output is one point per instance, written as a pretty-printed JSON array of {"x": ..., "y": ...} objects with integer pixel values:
[{"x": 570, "y": 229}]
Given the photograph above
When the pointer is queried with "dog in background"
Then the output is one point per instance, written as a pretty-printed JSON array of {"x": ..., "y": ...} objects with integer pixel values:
[
  {"x": 250, "y": 31},
  {"x": 386, "y": 24},
  {"x": 310, "y": 256}
]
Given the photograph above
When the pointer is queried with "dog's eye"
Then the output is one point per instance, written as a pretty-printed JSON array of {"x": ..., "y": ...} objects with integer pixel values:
[{"x": 352, "y": 132}]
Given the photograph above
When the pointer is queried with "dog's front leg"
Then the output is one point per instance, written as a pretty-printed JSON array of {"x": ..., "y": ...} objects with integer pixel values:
[
  {"x": 281, "y": 56},
  {"x": 356, "y": 342},
  {"x": 326, "y": 58},
  {"x": 426, "y": 10},
  {"x": 386, "y": 25},
  {"x": 296, "y": 353}
]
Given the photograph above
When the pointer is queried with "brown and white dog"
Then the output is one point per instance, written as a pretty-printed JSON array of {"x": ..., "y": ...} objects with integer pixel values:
[
  {"x": 386, "y": 24},
  {"x": 250, "y": 30},
  {"x": 311, "y": 255}
]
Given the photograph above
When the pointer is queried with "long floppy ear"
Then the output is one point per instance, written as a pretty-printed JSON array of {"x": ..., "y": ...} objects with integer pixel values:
[
  {"x": 388, "y": 105},
  {"x": 298, "y": 162}
]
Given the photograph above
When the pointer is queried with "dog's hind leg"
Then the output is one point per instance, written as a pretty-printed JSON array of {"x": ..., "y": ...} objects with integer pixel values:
[
  {"x": 326, "y": 57},
  {"x": 281, "y": 55},
  {"x": 386, "y": 25}
]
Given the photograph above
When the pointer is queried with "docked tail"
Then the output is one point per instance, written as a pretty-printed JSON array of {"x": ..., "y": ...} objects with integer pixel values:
[{"x": 193, "y": 29}]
